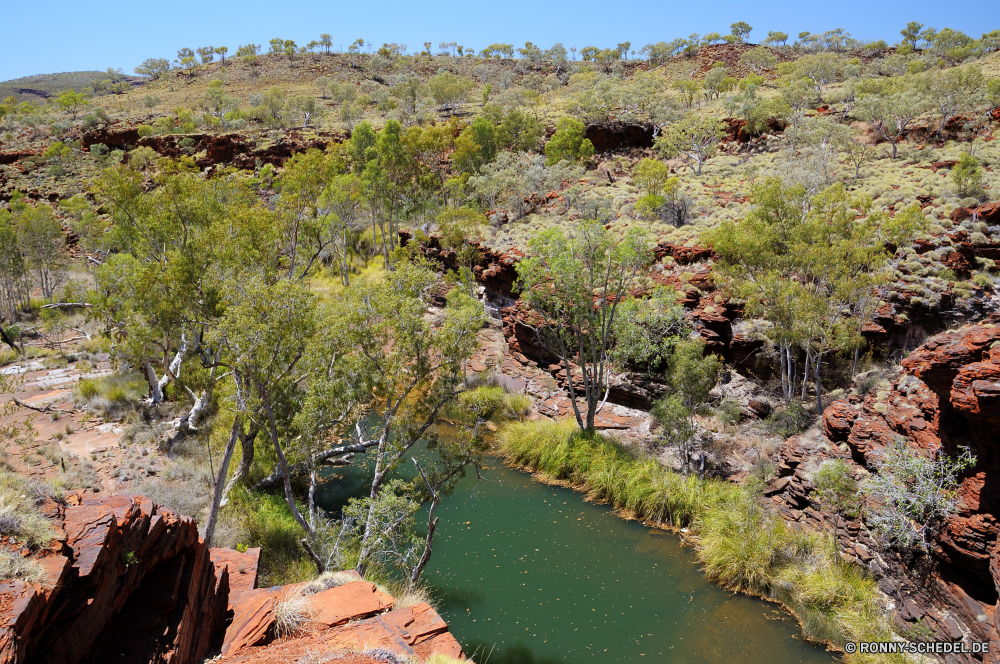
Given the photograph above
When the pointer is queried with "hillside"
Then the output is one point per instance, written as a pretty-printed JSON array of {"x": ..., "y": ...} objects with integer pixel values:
[{"x": 749, "y": 292}]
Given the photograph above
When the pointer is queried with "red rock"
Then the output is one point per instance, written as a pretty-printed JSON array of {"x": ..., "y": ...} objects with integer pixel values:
[
  {"x": 940, "y": 359},
  {"x": 351, "y": 601},
  {"x": 134, "y": 578},
  {"x": 838, "y": 419},
  {"x": 241, "y": 568}
]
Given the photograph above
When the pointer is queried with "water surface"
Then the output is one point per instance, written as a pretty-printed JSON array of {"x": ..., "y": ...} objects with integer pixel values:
[{"x": 527, "y": 572}]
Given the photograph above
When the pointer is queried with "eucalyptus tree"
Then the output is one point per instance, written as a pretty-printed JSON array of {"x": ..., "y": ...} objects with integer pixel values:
[
  {"x": 807, "y": 265},
  {"x": 574, "y": 283}
]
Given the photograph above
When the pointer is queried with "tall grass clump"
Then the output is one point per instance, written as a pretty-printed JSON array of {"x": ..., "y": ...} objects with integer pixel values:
[
  {"x": 23, "y": 523},
  {"x": 111, "y": 396},
  {"x": 743, "y": 545},
  {"x": 637, "y": 485}
]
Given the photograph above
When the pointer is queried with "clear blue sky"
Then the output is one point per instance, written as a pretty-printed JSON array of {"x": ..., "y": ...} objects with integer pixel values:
[{"x": 46, "y": 36}]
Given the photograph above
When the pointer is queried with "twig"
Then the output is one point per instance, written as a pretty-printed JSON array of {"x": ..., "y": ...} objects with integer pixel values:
[
  {"x": 43, "y": 409},
  {"x": 66, "y": 305}
]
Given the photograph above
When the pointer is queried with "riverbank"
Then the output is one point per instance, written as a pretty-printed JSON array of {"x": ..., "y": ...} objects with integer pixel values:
[{"x": 743, "y": 546}]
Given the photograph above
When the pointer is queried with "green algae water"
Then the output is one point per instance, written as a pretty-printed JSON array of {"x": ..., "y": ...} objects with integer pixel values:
[{"x": 528, "y": 573}]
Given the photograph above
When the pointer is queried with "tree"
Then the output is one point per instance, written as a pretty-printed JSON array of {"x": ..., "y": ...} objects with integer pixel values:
[
  {"x": 775, "y": 38},
  {"x": 741, "y": 31},
  {"x": 858, "y": 151},
  {"x": 378, "y": 64},
  {"x": 691, "y": 376},
  {"x": 40, "y": 236},
  {"x": 574, "y": 283},
  {"x": 695, "y": 138},
  {"x": 717, "y": 81},
  {"x": 805, "y": 264},
  {"x": 221, "y": 51},
  {"x": 248, "y": 53},
  {"x": 409, "y": 370},
  {"x": 653, "y": 176},
  {"x": 71, "y": 101},
  {"x": 206, "y": 54},
  {"x": 326, "y": 42},
  {"x": 185, "y": 57},
  {"x": 820, "y": 70},
  {"x": 911, "y": 33},
  {"x": 218, "y": 103},
  {"x": 153, "y": 68},
  {"x": 688, "y": 90},
  {"x": 889, "y": 108},
  {"x": 759, "y": 59},
  {"x": 912, "y": 493},
  {"x": 952, "y": 91},
  {"x": 568, "y": 143},
  {"x": 968, "y": 177},
  {"x": 449, "y": 90}
]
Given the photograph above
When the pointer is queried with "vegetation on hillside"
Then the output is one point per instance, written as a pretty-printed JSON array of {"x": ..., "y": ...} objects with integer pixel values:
[{"x": 284, "y": 247}]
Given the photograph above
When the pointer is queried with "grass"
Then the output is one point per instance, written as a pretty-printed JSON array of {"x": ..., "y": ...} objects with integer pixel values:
[
  {"x": 111, "y": 396},
  {"x": 22, "y": 523},
  {"x": 291, "y": 613},
  {"x": 495, "y": 402},
  {"x": 743, "y": 546}
]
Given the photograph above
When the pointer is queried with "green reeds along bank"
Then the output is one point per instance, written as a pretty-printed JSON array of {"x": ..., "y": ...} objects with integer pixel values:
[{"x": 743, "y": 545}]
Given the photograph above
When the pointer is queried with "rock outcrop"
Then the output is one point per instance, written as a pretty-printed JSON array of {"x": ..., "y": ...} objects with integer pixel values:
[
  {"x": 128, "y": 581},
  {"x": 355, "y": 616},
  {"x": 947, "y": 396}
]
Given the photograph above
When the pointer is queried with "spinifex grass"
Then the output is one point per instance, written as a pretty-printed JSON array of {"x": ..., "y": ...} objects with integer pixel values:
[{"x": 744, "y": 546}]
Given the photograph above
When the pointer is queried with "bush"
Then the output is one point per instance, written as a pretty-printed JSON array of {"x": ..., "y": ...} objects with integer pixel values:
[
  {"x": 493, "y": 402},
  {"x": 111, "y": 396},
  {"x": 789, "y": 421},
  {"x": 568, "y": 143},
  {"x": 19, "y": 515},
  {"x": 968, "y": 177}
]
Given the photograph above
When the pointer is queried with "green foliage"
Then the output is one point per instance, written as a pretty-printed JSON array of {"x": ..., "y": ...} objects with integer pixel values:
[
  {"x": 568, "y": 143},
  {"x": 789, "y": 421},
  {"x": 813, "y": 276},
  {"x": 574, "y": 282},
  {"x": 20, "y": 518},
  {"x": 646, "y": 331},
  {"x": 493, "y": 402},
  {"x": 695, "y": 138},
  {"x": 912, "y": 493},
  {"x": 968, "y": 177}
]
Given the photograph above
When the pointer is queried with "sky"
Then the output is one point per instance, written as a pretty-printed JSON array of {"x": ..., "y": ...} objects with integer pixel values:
[{"x": 49, "y": 36}]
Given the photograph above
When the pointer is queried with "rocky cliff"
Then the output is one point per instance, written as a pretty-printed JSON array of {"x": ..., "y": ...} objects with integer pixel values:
[
  {"x": 131, "y": 582},
  {"x": 946, "y": 395}
]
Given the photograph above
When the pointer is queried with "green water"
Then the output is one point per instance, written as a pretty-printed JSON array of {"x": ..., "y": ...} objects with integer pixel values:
[{"x": 532, "y": 573}]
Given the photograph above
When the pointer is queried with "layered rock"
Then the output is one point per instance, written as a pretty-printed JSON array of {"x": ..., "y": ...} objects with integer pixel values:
[
  {"x": 945, "y": 398},
  {"x": 127, "y": 581},
  {"x": 353, "y": 617}
]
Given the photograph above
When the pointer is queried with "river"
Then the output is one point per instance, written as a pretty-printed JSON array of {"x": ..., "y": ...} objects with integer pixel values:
[{"x": 530, "y": 573}]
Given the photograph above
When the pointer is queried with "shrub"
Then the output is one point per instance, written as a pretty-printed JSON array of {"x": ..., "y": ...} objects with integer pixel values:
[
  {"x": 493, "y": 402},
  {"x": 19, "y": 515},
  {"x": 291, "y": 613},
  {"x": 983, "y": 280},
  {"x": 968, "y": 177},
  {"x": 568, "y": 143},
  {"x": 791, "y": 420},
  {"x": 111, "y": 396}
]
